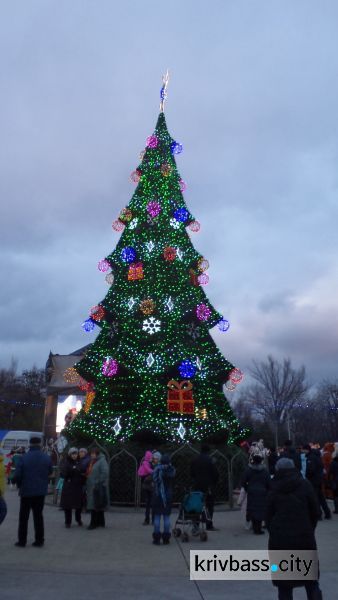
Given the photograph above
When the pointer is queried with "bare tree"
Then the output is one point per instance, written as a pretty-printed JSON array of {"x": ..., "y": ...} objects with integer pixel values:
[{"x": 279, "y": 387}]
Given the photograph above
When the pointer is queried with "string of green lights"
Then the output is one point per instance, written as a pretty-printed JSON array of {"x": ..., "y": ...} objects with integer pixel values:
[{"x": 154, "y": 365}]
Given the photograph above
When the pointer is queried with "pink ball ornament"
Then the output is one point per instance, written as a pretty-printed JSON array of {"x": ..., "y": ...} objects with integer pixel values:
[
  {"x": 203, "y": 312},
  {"x": 152, "y": 141},
  {"x": 103, "y": 265},
  {"x": 203, "y": 279},
  {"x": 110, "y": 367},
  {"x": 153, "y": 208},
  {"x": 194, "y": 226},
  {"x": 118, "y": 225},
  {"x": 183, "y": 185},
  {"x": 236, "y": 376},
  {"x": 135, "y": 176}
]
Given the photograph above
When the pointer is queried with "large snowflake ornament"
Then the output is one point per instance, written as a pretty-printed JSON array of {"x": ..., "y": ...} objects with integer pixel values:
[
  {"x": 193, "y": 330},
  {"x": 151, "y": 325}
]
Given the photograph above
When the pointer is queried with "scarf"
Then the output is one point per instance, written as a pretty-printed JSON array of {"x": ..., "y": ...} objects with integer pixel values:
[
  {"x": 159, "y": 483},
  {"x": 90, "y": 466}
]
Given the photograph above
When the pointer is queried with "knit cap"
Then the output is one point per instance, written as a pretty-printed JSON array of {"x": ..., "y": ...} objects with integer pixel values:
[
  {"x": 284, "y": 463},
  {"x": 157, "y": 455}
]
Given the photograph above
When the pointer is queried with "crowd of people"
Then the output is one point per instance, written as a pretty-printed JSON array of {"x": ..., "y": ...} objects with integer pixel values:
[
  {"x": 286, "y": 491},
  {"x": 283, "y": 491}
]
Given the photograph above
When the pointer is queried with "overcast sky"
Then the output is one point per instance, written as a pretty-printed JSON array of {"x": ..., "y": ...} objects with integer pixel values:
[{"x": 253, "y": 97}]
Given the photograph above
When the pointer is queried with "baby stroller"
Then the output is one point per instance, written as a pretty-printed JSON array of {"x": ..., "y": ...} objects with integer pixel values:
[{"x": 192, "y": 514}]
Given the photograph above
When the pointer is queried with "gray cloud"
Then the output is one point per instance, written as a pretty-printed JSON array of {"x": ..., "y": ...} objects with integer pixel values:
[{"x": 253, "y": 98}]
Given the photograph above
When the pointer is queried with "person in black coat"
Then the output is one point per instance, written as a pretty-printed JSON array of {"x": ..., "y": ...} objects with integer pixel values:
[
  {"x": 333, "y": 480},
  {"x": 205, "y": 476},
  {"x": 290, "y": 452},
  {"x": 162, "y": 497},
  {"x": 272, "y": 459},
  {"x": 315, "y": 475},
  {"x": 291, "y": 517},
  {"x": 72, "y": 489},
  {"x": 256, "y": 482}
]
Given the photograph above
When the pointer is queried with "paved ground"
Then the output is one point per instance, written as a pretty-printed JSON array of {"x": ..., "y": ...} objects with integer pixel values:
[{"x": 121, "y": 562}]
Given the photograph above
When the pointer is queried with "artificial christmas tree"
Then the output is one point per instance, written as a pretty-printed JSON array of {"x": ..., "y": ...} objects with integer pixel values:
[{"x": 154, "y": 365}]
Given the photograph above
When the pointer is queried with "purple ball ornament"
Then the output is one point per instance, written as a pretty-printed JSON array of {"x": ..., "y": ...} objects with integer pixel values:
[
  {"x": 183, "y": 185},
  {"x": 152, "y": 141},
  {"x": 203, "y": 312},
  {"x": 153, "y": 208},
  {"x": 110, "y": 367}
]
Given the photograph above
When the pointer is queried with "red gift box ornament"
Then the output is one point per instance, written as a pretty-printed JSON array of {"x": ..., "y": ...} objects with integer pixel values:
[
  {"x": 180, "y": 398},
  {"x": 135, "y": 271}
]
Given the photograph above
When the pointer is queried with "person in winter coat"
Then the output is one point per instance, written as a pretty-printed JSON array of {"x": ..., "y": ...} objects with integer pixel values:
[
  {"x": 31, "y": 476},
  {"x": 205, "y": 476},
  {"x": 163, "y": 476},
  {"x": 2, "y": 473},
  {"x": 333, "y": 480},
  {"x": 3, "y": 506},
  {"x": 72, "y": 488},
  {"x": 326, "y": 460},
  {"x": 315, "y": 475},
  {"x": 291, "y": 517},
  {"x": 256, "y": 482},
  {"x": 145, "y": 471},
  {"x": 290, "y": 452},
  {"x": 97, "y": 488},
  {"x": 84, "y": 460},
  {"x": 272, "y": 459}
]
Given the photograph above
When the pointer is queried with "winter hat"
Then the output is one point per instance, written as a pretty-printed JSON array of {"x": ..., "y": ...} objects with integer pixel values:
[
  {"x": 148, "y": 455},
  {"x": 35, "y": 441},
  {"x": 72, "y": 450},
  {"x": 83, "y": 450},
  {"x": 157, "y": 455},
  {"x": 165, "y": 460},
  {"x": 284, "y": 463}
]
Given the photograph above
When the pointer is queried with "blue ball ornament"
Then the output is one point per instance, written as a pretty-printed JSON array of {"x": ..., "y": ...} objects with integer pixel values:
[
  {"x": 176, "y": 148},
  {"x": 187, "y": 369},
  {"x": 88, "y": 325},
  {"x": 181, "y": 214},
  {"x": 128, "y": 254},
  {"x": 223, "y": 325}
]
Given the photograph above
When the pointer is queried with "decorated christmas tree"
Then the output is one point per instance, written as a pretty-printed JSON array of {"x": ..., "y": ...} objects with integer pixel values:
[{"x": 154, "y": 365}]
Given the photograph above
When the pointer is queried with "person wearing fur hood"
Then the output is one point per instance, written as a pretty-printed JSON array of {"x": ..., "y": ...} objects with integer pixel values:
[{"x": 256, "y": 483}]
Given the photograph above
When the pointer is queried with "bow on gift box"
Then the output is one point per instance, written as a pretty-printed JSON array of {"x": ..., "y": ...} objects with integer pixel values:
[{"x": 180, "y": 397}]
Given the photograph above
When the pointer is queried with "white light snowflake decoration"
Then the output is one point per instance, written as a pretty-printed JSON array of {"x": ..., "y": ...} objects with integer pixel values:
[
  {"x": 179, "y": 254},
  {"x": 117, "y": 427},
  {"x": 150, "y": 360},
  {"x": 169, "y": 304},
  {"x": 131, "y": 302},
  {"x": 113, "y": 330},
  {"x": 133, "y": 223},
  {"x": 151, "y": 325},
  {"x": 174, "y": 223},
  {"x": 150, "y": 245},
  {"x": 181, "y": 431},
  {"x": 193, "y": 330}
]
